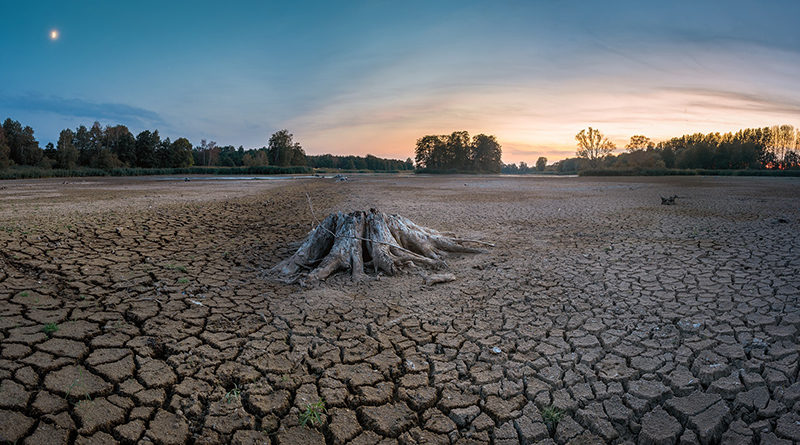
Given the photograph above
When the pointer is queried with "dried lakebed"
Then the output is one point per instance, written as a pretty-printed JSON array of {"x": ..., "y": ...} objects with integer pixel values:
[{"x": 137, "y": 311}]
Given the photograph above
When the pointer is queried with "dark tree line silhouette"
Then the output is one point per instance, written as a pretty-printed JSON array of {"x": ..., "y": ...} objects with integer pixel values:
[{"x": 114, "y": 147}]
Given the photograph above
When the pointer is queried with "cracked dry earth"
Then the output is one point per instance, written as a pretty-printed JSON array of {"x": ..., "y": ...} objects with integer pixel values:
[{"x": 136, "y": 311}]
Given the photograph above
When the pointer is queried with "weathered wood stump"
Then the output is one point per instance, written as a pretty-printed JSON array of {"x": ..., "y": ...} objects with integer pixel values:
[
  {"x": 670, "y": 201},
  {"x": 360, "y": 241}
]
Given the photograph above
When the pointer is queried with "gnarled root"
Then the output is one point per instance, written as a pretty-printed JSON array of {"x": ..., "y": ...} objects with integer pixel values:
[{"x": 386, "y": 243}]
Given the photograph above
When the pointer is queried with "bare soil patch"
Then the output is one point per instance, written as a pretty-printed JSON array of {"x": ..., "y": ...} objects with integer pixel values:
[{"x": 136, "y": 310}]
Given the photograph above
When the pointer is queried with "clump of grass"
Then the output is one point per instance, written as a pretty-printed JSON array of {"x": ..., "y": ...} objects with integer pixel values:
[
  {"x": 177, "y": 267},
  {"x": 50, "y": 328},
  {"x": 313, "y": 413},
  {"x": 24, "y": 294},
  {"x": 183, "y": 280},
  {"x": 552, "y": 415},
  {"x": 233, "y": 394}
]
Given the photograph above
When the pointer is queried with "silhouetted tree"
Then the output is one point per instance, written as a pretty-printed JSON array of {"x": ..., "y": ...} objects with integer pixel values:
[
  {"x": 23, "y": 147},
  {"x": 487, "y": 154},
  {"x": 541, "y": 163},
  {"x": 593, "y": 146},
  {"x": 67, "y": 154},
  {"x": 456, "y": 152},
  {"x": 5, "y": 151},
  {"x": 639, "y": 142}
]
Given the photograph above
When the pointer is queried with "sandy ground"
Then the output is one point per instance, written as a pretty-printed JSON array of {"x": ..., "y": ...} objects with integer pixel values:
[{"x": 137, "y": 311}]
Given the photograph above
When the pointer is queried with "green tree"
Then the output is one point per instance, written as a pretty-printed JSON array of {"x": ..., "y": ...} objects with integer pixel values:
[
  {"x": 146, "y": 146},
  {"x": 255, "y": 158},
  {"x": 593, "y": 146},
  {"x": 179, "y": 153},
  {"x": 541, "y": 163},
  {"x": 67, "y": 154},
  {"x": 82, "y": 144},
  {"x": 283, "y": 151},
  {"x": 122, "y": 144}
]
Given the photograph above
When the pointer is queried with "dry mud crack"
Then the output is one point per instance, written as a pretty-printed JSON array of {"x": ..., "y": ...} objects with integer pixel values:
[{"x": 134, "y": 311}]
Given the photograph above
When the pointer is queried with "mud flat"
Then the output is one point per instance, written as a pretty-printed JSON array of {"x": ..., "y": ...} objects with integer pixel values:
[{"x": 136, "y": 311}]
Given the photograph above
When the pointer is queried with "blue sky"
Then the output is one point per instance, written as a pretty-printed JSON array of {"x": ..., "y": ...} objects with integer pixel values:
[{"x": 373, "y": 76}]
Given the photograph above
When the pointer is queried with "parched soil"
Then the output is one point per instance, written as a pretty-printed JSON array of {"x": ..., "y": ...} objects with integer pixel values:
[{"x": 138, "y": 311}]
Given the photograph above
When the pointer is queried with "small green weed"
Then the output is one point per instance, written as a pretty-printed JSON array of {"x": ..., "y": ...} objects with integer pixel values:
[
  {"x": 49, "y": 328},
  {"x": 313, "y": 413},
  {"x": 233, "y": 394},
  {"x": 177, "y": 267},
  {"x": 183, "y": 280},
  {"x": 24, "y": 294},
  {"x": 552, "y": 415}
]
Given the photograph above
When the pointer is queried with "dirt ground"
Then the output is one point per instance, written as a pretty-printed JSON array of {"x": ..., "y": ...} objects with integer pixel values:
[{"x": 134, "y": 310}]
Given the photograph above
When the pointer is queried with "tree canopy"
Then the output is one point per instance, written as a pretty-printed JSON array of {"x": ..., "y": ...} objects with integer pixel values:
[
  {"x": 593, "y": 146},
  {"x": 457, "y": 151}
]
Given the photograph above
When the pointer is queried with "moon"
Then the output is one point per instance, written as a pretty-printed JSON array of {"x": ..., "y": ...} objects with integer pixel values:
[{"x": 54, "y": 34}]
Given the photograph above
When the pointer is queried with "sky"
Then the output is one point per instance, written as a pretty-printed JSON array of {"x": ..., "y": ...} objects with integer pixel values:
[{"x": 359, "y": 77}]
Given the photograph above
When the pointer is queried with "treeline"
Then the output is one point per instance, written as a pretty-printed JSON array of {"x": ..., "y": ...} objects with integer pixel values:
[
  {"x": 368, "y": 162},
  {"x": 115, "y": 148},
  {"x": 457, "y": 152},
  {"x": 767, "y": 148}
]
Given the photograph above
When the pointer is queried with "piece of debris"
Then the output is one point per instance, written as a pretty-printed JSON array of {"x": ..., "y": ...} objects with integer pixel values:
[
  {"x": 496, "y": 350},
  {"x": 668, "y": 201},
  {"x": 438, "y": 278},
  {"x": 373, "y": 240},
  {"x": 196, "y": 302},
  {"x": 340, "y": 178},
  {"x": 186, "y": 179}
]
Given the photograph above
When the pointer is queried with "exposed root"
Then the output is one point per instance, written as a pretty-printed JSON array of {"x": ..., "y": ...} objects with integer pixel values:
[{"x": 373, "y": 240}]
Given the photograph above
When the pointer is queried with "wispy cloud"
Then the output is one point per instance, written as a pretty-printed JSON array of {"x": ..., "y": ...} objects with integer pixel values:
[
  {"x": 74, "y": 107},
  {"x": 735, "y": 100}
]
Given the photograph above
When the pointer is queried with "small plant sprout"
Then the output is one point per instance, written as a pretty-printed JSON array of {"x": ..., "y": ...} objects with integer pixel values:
[
  {"x": 313, "y": 413},
  {"x": 50, "y": 328},
  {"x": 233, "y": 394},
  {"x": 177, "y": 267},
  {"x": 183, "y": 280}
]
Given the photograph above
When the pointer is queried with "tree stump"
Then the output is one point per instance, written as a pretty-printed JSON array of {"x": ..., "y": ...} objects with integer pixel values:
[
  {"x": 669, "y": 201},
  {"x": 360, "y": 241}
]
